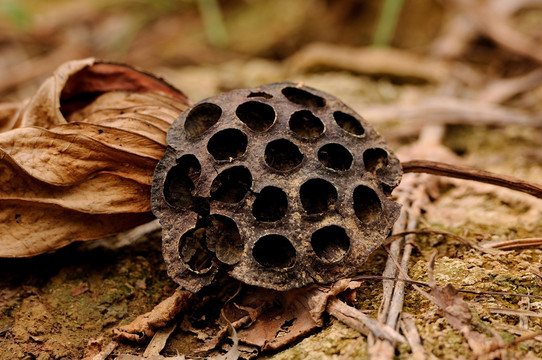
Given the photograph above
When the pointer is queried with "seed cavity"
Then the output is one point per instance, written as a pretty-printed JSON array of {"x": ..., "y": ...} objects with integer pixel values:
[
  {"x": 274, "y": 251},
  {"x": 231, "y": 185},
  {"x": 367, "y": 206},
  {"x": 282, "y": 155},
  {"x": 227, "y": 144},
  {"x": 271, "y": 204},
  {"x": 335, "y": 156},
  {"x": 302, "y": 97},
  {"x": 348, "y": 123},
  {"x": 256, "y": 115},
  {"x": 201, "y": 118},
  {"x": 317, "y": 196},
  {"x": 375, "y": 159},
  {"x": 330, "y": 243},
  {"x": 179, "y": 184}
]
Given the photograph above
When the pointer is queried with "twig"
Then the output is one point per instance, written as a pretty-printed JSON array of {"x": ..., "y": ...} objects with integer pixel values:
[
  {"x": 413, "y": 195},
  {"x": 466, "y": 173},
  {"x": 515, "y": 330},
  {"x": 361, "y": 322},
  {"x": 471, "y": 243},
  {"x": 515, "y": 312},
  {"x": 504, "y": 89},
  {"x": 455, "y": 38},
  {"x": 408, "y": 327},
  {"x": 473, "y": 292},
  {"x": 513, "y": 244},
  {"x": 370, "y": 61},
  {"x": 448, "y": 111},
  {"x": 102, "y": 355}
]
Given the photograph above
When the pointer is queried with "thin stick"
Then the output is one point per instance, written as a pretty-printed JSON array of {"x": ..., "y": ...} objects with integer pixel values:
[
  {"x": 515, "y": 312},
  {"x": 466, "y": 173},
  {"x": 473, "y": 292},
  {"x": 102, "y": 355},
  {"x": 486, "y": 248},
  {"x": 408, "y": 327},
  {"x": 361, "y": 322},
  {"x": 513, "y": 244}
]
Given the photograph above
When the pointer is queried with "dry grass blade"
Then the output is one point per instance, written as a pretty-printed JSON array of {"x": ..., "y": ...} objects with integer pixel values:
[{"x": 518, "y": 331}]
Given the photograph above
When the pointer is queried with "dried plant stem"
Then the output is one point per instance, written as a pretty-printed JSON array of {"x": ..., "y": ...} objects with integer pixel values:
[
  {"x": 503, "y": 89},
  {"x": 487, "y": 248},
  {"x": 463, "y": 172},
  {"x": 361, "y": 322},
  {"x": 447, "y": 110},
  {"x": 514, "y": 312},
  {"x": 104, "y": 354},
  {"x": 513, "y": 244},
  {"x": 408, "y": 327},
  {"x": 412, "y": 194}
]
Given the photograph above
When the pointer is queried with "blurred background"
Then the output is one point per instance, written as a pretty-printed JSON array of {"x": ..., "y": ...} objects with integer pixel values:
[{"x": 207, "y": 46}]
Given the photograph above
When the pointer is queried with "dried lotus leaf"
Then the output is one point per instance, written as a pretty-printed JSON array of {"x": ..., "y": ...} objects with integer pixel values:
[{"x": 64, "y": 178}]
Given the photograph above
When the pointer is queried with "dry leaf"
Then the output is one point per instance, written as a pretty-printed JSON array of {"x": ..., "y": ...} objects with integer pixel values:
[
  {"x": 77, "y": 159},
  {"x": 145, "y": 325},
  {"x": 300, "y": 312},
  {"x": 458, "y": 314}
]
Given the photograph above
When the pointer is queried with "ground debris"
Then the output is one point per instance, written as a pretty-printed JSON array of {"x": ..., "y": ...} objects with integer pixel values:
[{"x": 144, "y": 326}]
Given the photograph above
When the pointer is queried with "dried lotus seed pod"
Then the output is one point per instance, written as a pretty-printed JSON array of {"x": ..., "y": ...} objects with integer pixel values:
[{"x": 279, "y": 186}]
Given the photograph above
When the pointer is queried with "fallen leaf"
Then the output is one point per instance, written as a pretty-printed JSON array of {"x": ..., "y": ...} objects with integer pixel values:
[
  {"x": 81, "y": 289},
  {"x": 458, "y": 314},
  {"x": 299, "y": 312},
  {"x": 77, "y": 159},
  {"x": 144, "y": 326}
]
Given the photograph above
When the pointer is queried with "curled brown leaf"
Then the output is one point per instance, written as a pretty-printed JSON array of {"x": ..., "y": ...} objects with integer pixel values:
[{"x": 77, "y": 159}]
